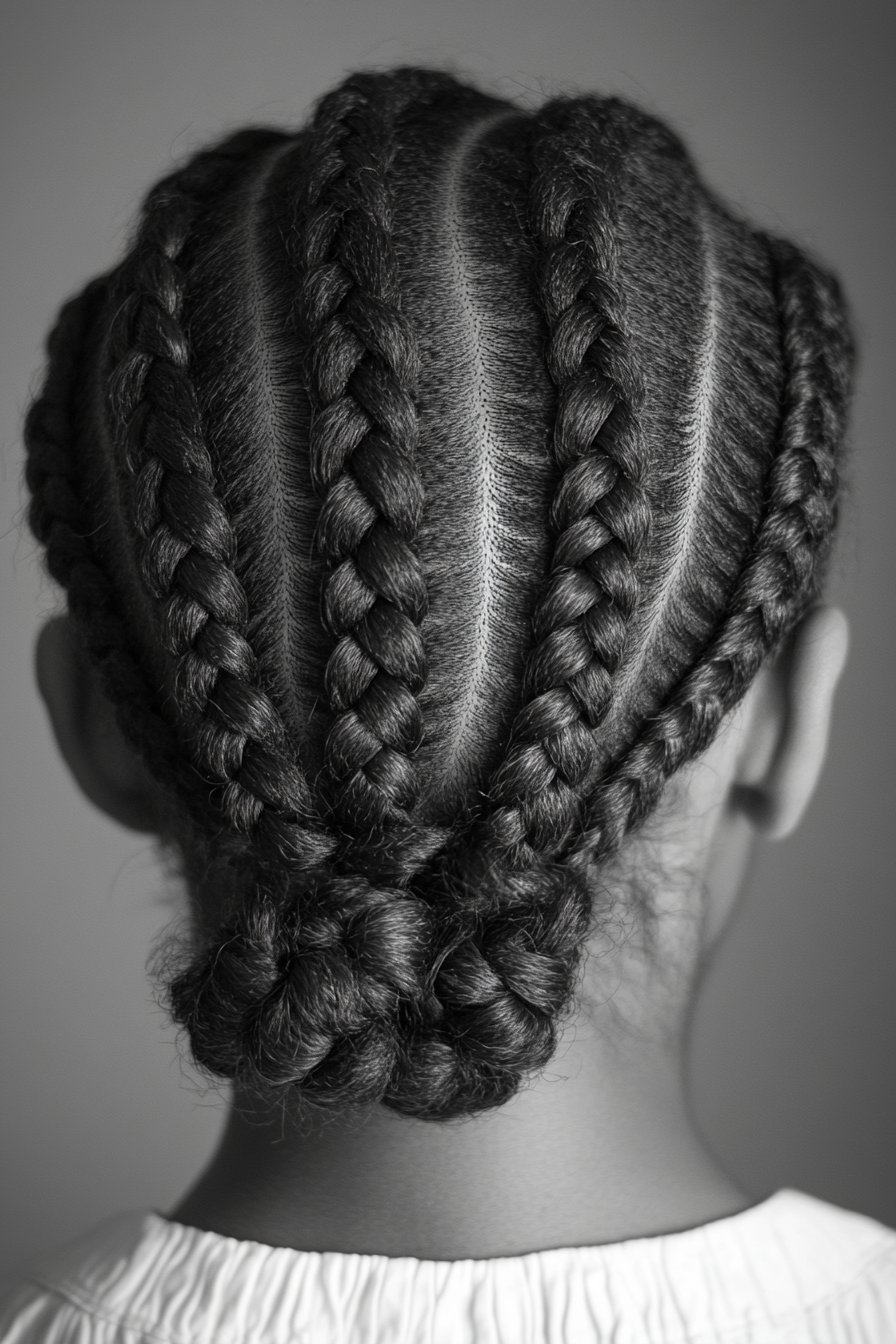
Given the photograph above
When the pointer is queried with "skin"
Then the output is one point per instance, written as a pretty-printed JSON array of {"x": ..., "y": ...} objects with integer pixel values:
[{"x": 601, "y": 1147}]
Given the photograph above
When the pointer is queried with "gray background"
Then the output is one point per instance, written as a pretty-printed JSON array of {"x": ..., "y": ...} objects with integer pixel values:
[{"x": 789, "y": 108}]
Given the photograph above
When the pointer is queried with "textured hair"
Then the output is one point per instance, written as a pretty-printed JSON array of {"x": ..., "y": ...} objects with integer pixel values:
[{"x": 427, "y": 485}]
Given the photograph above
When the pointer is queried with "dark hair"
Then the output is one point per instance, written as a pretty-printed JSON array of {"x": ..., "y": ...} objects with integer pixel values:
[{"x": 427, "y": 485}]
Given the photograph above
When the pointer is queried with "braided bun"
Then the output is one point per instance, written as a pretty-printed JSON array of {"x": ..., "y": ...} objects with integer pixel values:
[{"x": 427, "y": 485}]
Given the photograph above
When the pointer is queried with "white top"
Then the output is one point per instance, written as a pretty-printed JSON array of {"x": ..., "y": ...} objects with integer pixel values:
[{"x": 792, "y": 1270}]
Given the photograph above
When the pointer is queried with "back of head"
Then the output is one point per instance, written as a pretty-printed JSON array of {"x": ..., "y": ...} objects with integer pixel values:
[{"x": 427, "y": 486}]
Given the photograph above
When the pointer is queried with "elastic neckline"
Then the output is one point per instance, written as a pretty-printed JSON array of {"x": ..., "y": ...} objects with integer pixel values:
[{"x": 770, "y": 1262}]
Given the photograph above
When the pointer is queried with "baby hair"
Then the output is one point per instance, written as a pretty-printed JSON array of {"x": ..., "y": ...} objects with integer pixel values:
[{"x": 427, "y": 484}]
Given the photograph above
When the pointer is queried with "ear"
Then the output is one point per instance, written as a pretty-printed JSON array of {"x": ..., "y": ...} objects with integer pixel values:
[
  {"x": 83, "y": 722},
  {"x": 787, "y": 733}
]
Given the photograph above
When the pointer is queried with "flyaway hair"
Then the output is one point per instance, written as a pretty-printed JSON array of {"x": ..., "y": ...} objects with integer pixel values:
[{"x": 427, "y": 484}]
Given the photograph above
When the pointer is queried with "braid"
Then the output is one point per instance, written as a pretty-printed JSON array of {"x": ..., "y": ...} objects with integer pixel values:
[
  {"x": 600, "y": 509},
  {"x": 60, "y": 520},
  {"x": 363, "y": 370},
  {"x": 188, "y": 542},
  {"x": 782, "y": 571}
]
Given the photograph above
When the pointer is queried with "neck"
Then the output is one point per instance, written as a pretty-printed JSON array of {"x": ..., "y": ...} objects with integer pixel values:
[{"x": 599, "y": 1149}]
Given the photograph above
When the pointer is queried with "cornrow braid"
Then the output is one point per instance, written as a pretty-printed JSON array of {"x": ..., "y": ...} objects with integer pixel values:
[
  {"x": 363, "y": 368},
  {"x": 599, "y": 510},
  {"x": 783, "y": 570},
  {"x": 60, "y": 521},
  {"x": 189, "y": 544}
]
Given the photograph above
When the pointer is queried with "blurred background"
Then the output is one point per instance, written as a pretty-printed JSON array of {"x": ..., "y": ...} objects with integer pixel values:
[{"x": 788, "y": 105}]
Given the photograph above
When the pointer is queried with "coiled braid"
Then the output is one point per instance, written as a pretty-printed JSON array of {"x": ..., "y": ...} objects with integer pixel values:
[{"x": 356, "y": 939}]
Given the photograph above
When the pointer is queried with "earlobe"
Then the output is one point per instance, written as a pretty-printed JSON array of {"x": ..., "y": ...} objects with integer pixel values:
[
  {"x": 791, "y": 723},
  {"x": 101, "y": 762}
]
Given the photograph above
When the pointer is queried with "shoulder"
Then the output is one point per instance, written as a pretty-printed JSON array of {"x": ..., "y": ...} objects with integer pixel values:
[
  {"x": 834, "y": 1244},
  {"x": 83, "y": 1292},
  {"x": 791, "y": 1270},
  {"x": 802, "y": 1271}
]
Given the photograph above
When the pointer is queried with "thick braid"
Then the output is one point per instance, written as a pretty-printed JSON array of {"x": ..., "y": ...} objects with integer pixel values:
[
  {"x": 363, "y": 370},
  {"x": 60, "y": 520},
  {"x": 306, "y": 986},
  {"x": 511, "y": 942},
  {"x": 782, "y": 572},
  {"x": 600, "y": 509},
  {"x": 188, "y": 542}
]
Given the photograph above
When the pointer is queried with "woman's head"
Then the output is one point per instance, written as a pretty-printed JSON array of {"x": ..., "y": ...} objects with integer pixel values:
[{"x": 428, "y": 485}]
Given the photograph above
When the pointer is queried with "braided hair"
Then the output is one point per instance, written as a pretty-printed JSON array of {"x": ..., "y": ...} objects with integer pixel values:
[{"x": 427, "y": 484}]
